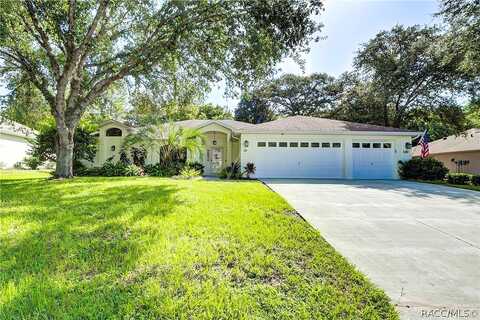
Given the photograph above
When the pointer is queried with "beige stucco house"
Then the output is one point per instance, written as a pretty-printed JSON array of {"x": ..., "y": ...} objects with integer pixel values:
[
  {"x": 458, "y": 153},
  {"x": 293, "y": 147}
]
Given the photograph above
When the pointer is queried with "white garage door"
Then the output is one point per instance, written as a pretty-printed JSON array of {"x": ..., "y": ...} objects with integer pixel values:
[
  {"x": 372, "y": 160},
  {"x": 298, "y": 159}
]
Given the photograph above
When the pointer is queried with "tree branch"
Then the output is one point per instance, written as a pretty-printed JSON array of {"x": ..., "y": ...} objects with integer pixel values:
[{"x": 44, "y": 41}]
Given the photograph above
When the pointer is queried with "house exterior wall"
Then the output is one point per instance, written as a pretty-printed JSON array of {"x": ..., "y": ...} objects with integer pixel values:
[
  {"x": 473, "y": 167},
  {"x": 105, "y": 144},
  {"x": 222, "y": 136},
  {"x": 399, "y": 146},
  {"x": 13, "y": 149}
]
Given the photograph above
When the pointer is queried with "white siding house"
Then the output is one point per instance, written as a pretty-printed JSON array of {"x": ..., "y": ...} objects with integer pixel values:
[{"x": 14, "y": 142}]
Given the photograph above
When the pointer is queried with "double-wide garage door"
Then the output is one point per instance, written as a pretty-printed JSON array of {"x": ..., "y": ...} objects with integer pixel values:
[
  {"x": 302, "y": 159},
  {"x": 322, "y": 159}
]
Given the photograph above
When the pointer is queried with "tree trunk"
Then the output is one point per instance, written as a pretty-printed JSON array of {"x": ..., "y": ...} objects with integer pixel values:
[{"x": 64, "y": 153}]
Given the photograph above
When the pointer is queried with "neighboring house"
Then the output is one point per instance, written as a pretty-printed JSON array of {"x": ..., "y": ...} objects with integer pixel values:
[
  {"x": 458, "y": 153},
  {"x": 293, "y": 147},
  {"x": 14, "y": 142}
]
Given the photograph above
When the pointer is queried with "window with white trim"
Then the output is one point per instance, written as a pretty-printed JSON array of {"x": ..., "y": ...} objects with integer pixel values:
[{"x": 261, "y": 144}]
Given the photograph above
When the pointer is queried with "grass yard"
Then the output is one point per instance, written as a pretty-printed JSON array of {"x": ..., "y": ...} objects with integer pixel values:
[{"x": 153, "y": 248}]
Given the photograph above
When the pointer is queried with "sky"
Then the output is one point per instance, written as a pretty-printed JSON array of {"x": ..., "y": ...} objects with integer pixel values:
[{"x": 348, "y": 24}]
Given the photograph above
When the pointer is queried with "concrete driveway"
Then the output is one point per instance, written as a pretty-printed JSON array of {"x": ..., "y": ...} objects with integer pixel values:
[{"x": 419, "y": 242}]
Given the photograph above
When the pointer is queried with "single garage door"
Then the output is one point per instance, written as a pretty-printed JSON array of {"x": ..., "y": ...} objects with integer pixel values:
[
  {"x": 372, "y": 160},
  {"x": 298, "y": 159}
]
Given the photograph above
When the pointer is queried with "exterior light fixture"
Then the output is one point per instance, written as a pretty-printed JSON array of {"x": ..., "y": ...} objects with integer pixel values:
[
  {"x": 245, "y": 143},
  {"x": 214, "y": 141},
  {"x": 112, "y": 148}
]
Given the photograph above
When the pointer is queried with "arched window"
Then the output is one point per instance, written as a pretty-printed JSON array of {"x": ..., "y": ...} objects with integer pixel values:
[{"x": 114, "y": 132}]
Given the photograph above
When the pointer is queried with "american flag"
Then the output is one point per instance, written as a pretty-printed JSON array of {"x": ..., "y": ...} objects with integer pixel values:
[{"x": 424, "y": 144}]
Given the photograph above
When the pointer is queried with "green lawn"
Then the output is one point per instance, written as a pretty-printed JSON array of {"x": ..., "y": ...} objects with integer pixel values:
[{"x": 153, "y": 248}]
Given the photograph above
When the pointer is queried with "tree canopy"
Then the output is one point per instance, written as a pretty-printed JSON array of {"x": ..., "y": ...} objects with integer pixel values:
[{"x": 73, "y": 51}]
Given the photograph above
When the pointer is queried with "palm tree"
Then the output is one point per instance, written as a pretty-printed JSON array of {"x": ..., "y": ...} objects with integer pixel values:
[{"x": 171, "y": 141}]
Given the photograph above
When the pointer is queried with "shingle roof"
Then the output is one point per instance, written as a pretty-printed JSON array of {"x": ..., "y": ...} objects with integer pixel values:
[
  {"x": 16, "y": 129},
  {"x": 467, "y": 141},
  {"x": 234, "y": 125},
  {"x": 320, "y": 125},
  {"x": 295, "y": 124}
]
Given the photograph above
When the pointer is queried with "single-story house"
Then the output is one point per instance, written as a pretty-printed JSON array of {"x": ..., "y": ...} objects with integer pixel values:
[
  {"x": 14, "y": 142},
  {"x": 292, "y": 147},
  {"x": 459, "y": 153}
]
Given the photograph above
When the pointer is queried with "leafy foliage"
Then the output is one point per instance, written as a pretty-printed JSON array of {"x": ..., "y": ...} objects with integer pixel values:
[
  {"x": 422, "y": 169},
  {"x": 233, "y": 171},
  {"x": 459, "y": 178},
  {"x": 250, "y": 169},
  {"x": 440, "y": 121},
  {"x": 476, "y": 180},
  {"x": 32, "y": 162},
  {"x": 463, "y": 18},
  {"x": 133, "y": 170},
  {"x": 163, "y": 170},
  {"x": 408, "y": 67},
  {"x": 189, "y": 173},
  {"x": 254, "y": 110},
  {"x": 45, "y": 144},
  {"x": 24, "y": 103},
  {"x": 196, "y": 166},
  {"x": 172, "y": 142}
]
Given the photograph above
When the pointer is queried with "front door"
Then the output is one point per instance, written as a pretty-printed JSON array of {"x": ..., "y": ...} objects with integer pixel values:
[{"x": 214, "y": 161}]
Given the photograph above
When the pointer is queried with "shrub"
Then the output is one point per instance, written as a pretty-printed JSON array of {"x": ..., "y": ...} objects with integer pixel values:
[
  {"x": 476, "y": 180},
  {"x": 18, "y": 165},
  {"x": 195, "y": 165},
  {"x": 112, "y": 169},
  {"x": 32, "y": 162},
  {"x": 189, "y": 173},
  {"x": 423, "y": 169},
  {"x": 231, "y": 172},
  {"x": 79, "y": 168},
  {"x": 158, "y": 170},
  {"x": 250, "y": 169},
  {"x": 459, "y": 178},
  {"x": 90, "y": 172},
  {"x": 133, "y": 170}
]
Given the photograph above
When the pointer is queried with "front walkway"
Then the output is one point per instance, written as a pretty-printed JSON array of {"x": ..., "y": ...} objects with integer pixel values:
[{"x": 419, "y": 242}]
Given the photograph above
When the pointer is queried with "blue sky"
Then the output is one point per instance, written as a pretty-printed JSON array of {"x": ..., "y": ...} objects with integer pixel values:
[{"x": 347, "y": 24}]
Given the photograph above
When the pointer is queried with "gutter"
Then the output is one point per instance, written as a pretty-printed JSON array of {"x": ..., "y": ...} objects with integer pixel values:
[{"x": 355, "y": 133}]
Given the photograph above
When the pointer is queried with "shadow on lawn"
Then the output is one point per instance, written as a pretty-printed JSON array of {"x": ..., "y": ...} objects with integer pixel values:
[{"x": 71, "y": 242}]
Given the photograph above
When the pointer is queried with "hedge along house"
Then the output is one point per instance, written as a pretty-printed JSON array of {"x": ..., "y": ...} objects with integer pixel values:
[{"x": 293, "y": 147}]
